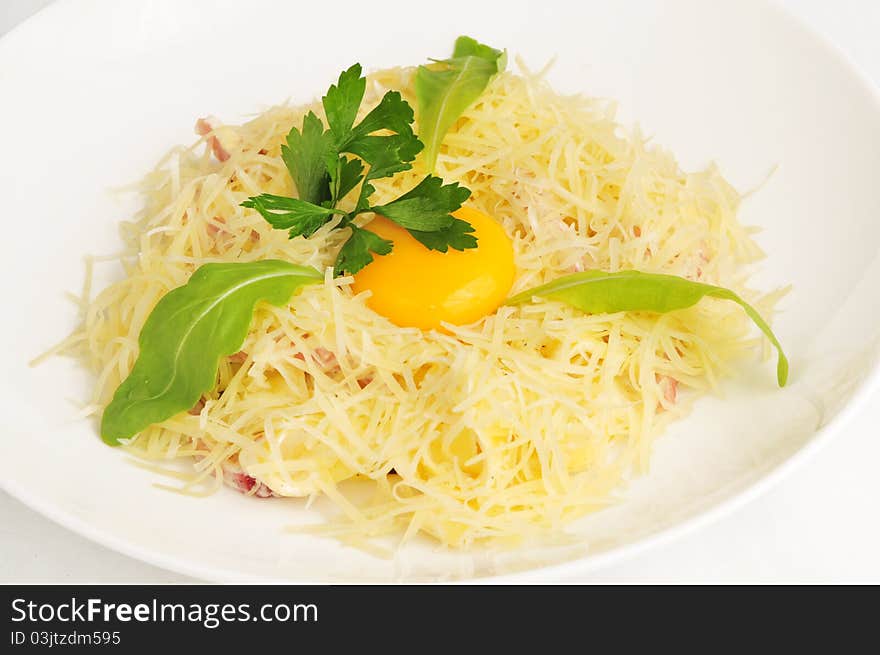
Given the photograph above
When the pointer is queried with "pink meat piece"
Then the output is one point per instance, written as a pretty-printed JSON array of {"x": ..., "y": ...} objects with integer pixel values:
[
  {"x": 234, "y": 477},
  {"x": 330, "y": 364},
  {"x": 239, "y": 357},
  {"x": 704, "y": 259},
  {"x": 214, "y": 230},
  {"x": 326, "y": 359},
  {"x": 196, "y": 409},
  {"x": 670, "y": 388},
  {"x": 247, "y": 484},
  {"x": 206, "y": 126},
  {"x": 323, "y": 358}
]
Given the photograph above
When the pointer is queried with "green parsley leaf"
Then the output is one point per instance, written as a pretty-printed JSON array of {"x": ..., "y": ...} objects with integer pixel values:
[
  {"x": 298, "y": 216},
  {"x": 363, "y": 204},
  {"x": 342, "y": 102},
  {"x": 345, "y": 175},
  {"x": 426, "y": 207},
  {"x": 458, "y": 236},
  {"x": 305, "y": 155},
  {"x": 383, "y": 144},
  {"x": 341, "y": 105},
  {"x": 357, "y": 251},
  {"x": 387, "y": 155},
  {"x": 392, "y": 113}
]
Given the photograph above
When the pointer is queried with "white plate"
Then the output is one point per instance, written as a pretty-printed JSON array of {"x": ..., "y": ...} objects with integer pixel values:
[{"x": 93, "y": 93}]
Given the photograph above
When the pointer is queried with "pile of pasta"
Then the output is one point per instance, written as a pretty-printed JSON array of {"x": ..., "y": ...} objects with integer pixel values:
[{"x": 497, "y": 431}]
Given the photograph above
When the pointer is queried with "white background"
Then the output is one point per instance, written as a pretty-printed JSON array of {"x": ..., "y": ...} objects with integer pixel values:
[{"x": 820, "y": 524}]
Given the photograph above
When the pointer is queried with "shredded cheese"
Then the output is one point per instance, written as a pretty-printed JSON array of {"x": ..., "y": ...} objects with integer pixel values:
[{"x": 498, "y": 431}]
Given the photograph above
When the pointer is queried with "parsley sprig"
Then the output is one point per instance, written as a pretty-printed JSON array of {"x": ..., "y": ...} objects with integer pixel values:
[{"x": 328, "y": 164}]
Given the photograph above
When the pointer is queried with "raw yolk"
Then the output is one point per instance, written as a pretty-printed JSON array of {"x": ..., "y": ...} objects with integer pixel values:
[{"x": 414, "y": 286}]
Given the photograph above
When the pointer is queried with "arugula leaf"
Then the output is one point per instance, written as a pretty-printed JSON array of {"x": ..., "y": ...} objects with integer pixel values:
[
  {"x": 300, "y": 217},
  {"x": 305, "y": 156},
  {"x": 342, "y": 102},
  {"x": 458, "y": 236},
  {"x": 356, "y": 252},
  {"x": 426, "y": 207},
  {"x": 627, "y": 291},
  {"x": 445, "y": 89},
  {"x": 188, "y": 332},
  {"x": 466, "y": 46}
]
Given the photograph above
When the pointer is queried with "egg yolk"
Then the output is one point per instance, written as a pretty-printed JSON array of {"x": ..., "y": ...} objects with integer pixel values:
[{"x": 414, "y": 286}]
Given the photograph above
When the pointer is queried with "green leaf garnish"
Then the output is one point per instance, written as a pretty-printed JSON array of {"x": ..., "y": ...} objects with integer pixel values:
[
  {"x": 323, "y": 173},
  {"x": 187, "y": 333},
  {"x": 356, "y": 253},
  {"x": 342, "y": 102},
  {"x": 305, "y": 155},
  {"x": 345, "y": 175},
  {"x": 457, "y": 235},
  {"x": 392, "y": 113},
  {"x": 298, "y": 216},
  {"x": 599, "y": 292},
  {"x": 387, "y": 156},
  {"x": 424, "y": 207},
  {"x": 445, "y": 89},
  {"x": 466, "y": 46}
]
